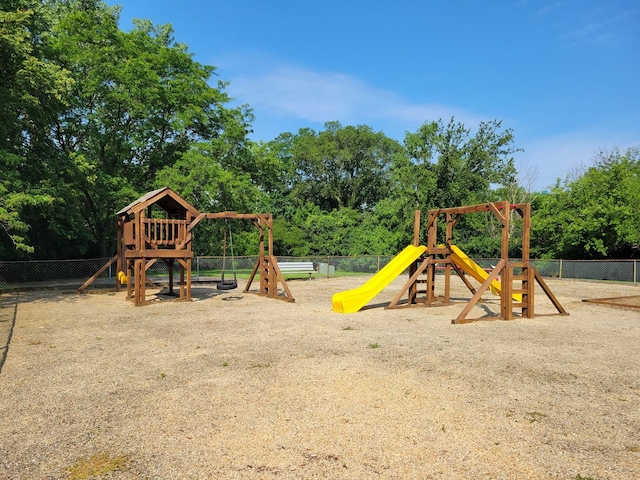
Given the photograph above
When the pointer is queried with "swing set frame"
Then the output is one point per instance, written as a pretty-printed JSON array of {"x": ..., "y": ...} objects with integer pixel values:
[{"x": 517, "y": 276}]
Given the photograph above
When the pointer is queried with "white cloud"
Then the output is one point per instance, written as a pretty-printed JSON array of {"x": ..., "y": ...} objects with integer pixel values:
[
  {"x": 286, "y": 98},
  {"x": 317, "y": 97},
  {"x": 594, "y": 33},
  {"x": 548, "y": 9}
]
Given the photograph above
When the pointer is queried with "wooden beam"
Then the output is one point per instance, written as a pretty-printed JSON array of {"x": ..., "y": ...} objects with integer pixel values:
[
  {"x": 416, "y": 228},
  {"x": 98, "y": 273},
  {"x": 525, "y": 211},
  {"x": 231, "y": 216},
  {"x": 463, "y": 277},
  {"x": 552, "y": 297},
  {"x": 196, "y": 221},
  {"x": 502, "y": 216},
  {"x": 483, "y": 207},
  {"x": 164, "y": 253},
  {"x": 274, "y": 265},
  {"x": 614, "y": 301}
]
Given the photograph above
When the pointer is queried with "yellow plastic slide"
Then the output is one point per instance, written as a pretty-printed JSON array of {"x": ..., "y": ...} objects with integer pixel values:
[
  {"x": 476, "y": 271},
  {"x": 351, "y": 301}
]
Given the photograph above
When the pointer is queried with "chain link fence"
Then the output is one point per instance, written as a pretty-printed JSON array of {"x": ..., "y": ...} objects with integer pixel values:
[{"x": 70, "y": 274}]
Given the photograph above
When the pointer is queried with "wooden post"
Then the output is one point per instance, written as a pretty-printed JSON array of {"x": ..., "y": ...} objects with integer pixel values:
[
  {"x": 119, "y": 250},
  {"x": 503, "y": 212},
  {"x": 269, "y": 222},
  {"x": 413, "y": 289},
  {"x": 452, "y": 219},
  {"x": 139, "y": 282},
  {"x": 169, "y": 263},
  {"x": 527, "y": 270},
  {"x": 129, "y": 278},
  {"x": 528, "y": 274},
  {"x": 182, "y": 285},
  {"x": 188, "y": 260},
  {"x": 432, "y": 241}
]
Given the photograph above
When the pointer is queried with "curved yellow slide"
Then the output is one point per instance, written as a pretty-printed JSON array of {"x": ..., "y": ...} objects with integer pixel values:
[
  {"x": 351, "y": 301},
  {"x": 476, "y": 271}
]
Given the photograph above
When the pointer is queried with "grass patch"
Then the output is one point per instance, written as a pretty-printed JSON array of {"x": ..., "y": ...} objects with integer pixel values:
[
  {"x": 373, "y": 345},
  {"x": 348, "y": 328},
  {"x": 97, "y": 465},
  {"x": 535, "y": 417}
]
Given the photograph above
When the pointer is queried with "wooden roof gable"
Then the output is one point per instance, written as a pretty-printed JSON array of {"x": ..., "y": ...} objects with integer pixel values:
[{"x": 165, "y": 198}]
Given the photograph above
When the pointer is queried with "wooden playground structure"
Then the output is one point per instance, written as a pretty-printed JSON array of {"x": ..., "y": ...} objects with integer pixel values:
[
  {"x": 517, "y": 276},
  {"x": 159, "y": 226}
]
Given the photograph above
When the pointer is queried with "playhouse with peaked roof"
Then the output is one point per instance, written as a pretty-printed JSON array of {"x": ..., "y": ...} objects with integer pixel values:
[{"x": 158, "y": 226}]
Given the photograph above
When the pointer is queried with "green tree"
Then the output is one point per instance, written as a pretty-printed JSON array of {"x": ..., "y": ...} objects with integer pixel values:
[
  {"x": 138, "y": 103},
  {"x": 445, "y": 165},
  {"x": 450, "y": 167},
  {"x": 32, "y": 93},
  {"x": 332, "y": 178},
  {"x": 277, "y": 174},
  {"x": 342, "y": 166},
  {"x": 593, "y": 215},
  {"x": 202, "y": 178},
  {"x": 330, "y": 233}
]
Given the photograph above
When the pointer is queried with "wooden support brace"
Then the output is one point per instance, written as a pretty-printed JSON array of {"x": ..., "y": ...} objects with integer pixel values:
[
  {"x": 97, "y": 274},
  {"x": 550, "y": 294},
  {"x": 483, "y": 288}
]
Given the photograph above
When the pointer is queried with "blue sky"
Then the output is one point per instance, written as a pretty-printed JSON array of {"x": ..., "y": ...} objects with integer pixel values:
[{"x": 564, "y": 75}]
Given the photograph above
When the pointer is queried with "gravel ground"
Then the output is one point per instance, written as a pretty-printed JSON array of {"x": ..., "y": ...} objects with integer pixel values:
[{"x": 235, "y": 385}]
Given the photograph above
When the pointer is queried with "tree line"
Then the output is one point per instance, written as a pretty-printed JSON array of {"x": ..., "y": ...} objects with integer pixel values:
[{"x": 92, "y": 116}]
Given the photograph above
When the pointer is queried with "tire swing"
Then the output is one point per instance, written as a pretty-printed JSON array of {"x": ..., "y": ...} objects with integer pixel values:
[{"x": 227, "y": 284}]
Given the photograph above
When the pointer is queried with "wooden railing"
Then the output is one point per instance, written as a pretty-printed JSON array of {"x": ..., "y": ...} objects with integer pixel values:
[
  {"x": 157, "y": 232},
  {"x": 163, "y": 232}
]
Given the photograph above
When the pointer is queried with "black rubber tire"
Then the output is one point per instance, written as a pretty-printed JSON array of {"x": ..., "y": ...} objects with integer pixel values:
[{"x": 227, "y": 285}]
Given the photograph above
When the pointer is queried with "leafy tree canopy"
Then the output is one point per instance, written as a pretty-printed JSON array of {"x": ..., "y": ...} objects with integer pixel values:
[
  {"x": 342, "y": 166},
  {"x": 594, "y": 215},
  {"x": 120, "y": 107}
]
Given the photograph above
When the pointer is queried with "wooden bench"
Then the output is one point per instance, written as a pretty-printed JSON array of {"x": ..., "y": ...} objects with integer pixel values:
[{"x": 296, "y": 267}]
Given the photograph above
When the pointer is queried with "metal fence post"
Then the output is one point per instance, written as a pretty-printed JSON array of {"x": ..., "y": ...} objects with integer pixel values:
[
  {"x": 635, "y": 272},
  {"x": 560, "y": 273}
]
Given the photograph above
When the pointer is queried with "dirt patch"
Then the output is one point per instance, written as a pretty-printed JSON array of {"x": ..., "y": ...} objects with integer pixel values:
[{"x": 235, "y": 385}]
